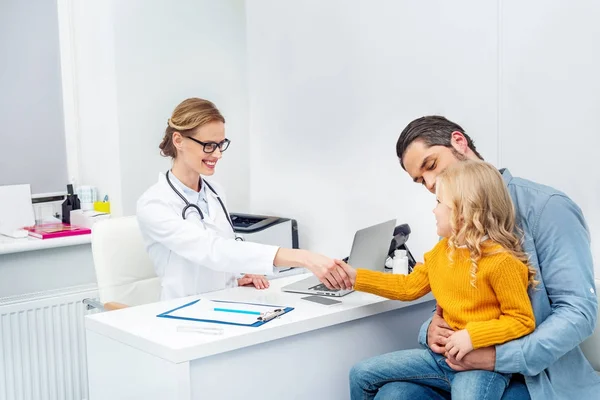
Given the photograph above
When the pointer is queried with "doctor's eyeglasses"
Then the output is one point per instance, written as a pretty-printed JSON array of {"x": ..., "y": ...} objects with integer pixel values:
[{"x": 210, "y": 147}]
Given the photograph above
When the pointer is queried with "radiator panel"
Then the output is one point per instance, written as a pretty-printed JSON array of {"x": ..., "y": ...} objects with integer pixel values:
[{"x": 42, "y": 345}]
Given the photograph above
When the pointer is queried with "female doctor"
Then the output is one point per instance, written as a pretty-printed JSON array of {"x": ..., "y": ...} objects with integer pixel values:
[{"x": 185, "y": 224}]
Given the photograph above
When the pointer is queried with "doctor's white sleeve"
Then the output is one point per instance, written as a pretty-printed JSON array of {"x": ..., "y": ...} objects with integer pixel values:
[{"x": 200, "y": 245}]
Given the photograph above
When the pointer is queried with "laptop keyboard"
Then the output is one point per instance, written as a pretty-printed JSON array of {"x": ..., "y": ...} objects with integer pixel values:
[{"x": 321, "y": 287}]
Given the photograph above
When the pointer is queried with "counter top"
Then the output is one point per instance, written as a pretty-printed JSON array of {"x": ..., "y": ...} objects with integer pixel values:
[{"x": 10, "y": 245}]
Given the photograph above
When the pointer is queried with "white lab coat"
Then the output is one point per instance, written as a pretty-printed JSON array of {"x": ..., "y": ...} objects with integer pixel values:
[{"x": 192, "y": 256}]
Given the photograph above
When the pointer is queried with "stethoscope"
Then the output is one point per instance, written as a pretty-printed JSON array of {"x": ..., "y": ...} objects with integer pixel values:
[{"x": 189, "y": 205}]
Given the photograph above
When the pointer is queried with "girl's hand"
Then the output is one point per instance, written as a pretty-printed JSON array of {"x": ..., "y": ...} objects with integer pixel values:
[{"x": 459, "y": 344}]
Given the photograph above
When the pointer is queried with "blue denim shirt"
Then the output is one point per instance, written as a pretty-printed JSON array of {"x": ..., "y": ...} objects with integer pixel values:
[{"x": 565, "y": 303}]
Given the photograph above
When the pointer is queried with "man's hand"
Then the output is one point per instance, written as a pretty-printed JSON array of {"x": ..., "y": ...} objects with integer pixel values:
[
  {"x": 438, "y": 332},
  {"x": 459, "y": 344},
  {"x": 483, "y": 358},
  {"x": 258, "y": 281}
]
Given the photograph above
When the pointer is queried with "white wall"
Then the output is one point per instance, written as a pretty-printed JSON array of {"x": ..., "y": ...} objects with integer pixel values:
[
  {"x": 165, "y": 52},
  {"x": 550, "y": 99},
  {"x": 135, "y": 61},
  {"x": 33, "y": 131},
  {"x": 332, "y": 84},
  {"x": 92, "y": 115}
]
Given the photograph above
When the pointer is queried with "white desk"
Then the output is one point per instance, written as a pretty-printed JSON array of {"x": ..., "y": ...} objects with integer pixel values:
[{"x": 305, "y": 354}]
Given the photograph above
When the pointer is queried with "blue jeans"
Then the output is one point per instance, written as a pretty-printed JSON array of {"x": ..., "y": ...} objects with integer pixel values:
[{"x": 422, "y": 374}]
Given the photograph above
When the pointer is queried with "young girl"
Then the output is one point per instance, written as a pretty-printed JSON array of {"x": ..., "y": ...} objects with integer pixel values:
[{"x": 479, "y": 277}]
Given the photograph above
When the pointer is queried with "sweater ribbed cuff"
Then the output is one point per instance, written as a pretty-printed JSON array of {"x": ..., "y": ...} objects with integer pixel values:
[{"x": 370, "y": 281}]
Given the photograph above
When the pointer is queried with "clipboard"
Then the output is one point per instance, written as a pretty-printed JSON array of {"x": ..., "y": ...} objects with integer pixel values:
[{"x": 230, "y": 312}]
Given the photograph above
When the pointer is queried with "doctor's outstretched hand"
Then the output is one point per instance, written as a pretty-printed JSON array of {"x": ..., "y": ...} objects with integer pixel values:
[{"x": 329, "y": 273}]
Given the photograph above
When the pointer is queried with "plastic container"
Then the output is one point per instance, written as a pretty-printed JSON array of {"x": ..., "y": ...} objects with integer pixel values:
[
  {"x": 400, "y": 265},
  {"x": 102, "y": 206}
]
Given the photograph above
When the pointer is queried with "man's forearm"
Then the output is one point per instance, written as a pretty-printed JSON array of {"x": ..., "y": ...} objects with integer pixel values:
[
  {"x": 568, "y": 314},
  {"x": 560, "y": 333}
]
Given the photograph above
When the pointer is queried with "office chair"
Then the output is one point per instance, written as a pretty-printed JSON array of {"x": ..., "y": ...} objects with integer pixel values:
[
  {"x": 124, "y": 271},
  {"x": 591, "y": 347}
]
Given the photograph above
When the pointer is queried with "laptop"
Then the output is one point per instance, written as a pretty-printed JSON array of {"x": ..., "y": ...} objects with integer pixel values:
[{"x": 369, "y": 251}]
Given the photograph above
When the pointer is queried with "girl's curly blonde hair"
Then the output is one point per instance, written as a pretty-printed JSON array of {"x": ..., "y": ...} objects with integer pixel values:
[{"x": 480, "y": 206}]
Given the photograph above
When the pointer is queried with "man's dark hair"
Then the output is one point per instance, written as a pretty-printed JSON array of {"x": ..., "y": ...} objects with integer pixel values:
[{"x": 432, "y": 130}]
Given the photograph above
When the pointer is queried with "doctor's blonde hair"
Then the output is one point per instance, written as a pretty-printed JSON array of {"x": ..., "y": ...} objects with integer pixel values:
[
  {"x": 480, "y": 205},
  {"x": 187, "y": 116}
]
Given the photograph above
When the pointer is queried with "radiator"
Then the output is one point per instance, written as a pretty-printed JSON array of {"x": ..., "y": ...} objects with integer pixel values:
[{"x": 42, "y": 345}]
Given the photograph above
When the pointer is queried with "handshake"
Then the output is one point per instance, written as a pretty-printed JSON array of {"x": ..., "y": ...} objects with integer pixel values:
[{"x": 335, "y": 274}]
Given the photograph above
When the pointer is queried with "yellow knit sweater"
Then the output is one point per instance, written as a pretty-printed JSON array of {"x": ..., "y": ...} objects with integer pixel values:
[{"x": 497, "y": 310}]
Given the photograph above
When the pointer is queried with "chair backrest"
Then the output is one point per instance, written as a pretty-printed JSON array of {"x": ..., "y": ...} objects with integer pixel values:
[
  {"x": 124, "y": 271},
  {"x": 591, "y": 347}
]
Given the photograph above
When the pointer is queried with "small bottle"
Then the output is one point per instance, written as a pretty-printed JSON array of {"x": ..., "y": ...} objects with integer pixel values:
[{"x": 400, "y": 262}]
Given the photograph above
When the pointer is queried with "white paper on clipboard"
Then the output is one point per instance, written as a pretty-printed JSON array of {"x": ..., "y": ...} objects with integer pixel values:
[{"x": 237, "y": 314}]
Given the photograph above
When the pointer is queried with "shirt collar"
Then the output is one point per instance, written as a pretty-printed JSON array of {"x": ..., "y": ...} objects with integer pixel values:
[
  {"x": 190, "y": 194},
  {"x": 506, "y": 175}
]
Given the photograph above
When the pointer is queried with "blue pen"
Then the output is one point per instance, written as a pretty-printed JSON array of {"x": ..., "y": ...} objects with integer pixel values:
[{"x": 237, "y": 311}]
